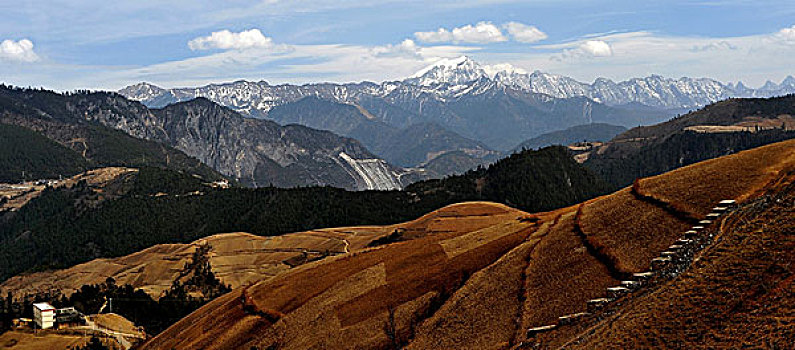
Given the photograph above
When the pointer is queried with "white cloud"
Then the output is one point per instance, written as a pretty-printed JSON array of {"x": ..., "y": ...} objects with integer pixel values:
[
  {"x": 756, "y": 59},
  {"x": 753, "y": 60},
  {"x": 787, "y": 34},
  {"x": 481, "y": 33},
  {"x": 597, "y": 48},
  {"x": 406, "y": 48},
  {"x": 439, "y": 36},
  {"x": 21, "y": 51},
  {"x": 718, "y": 45},
  {"x": 585, "y": 49},
  {"x": 524, "y": 33},
  {"x": 301, "y": 64},
  {"x": 493, "y": 69},
  {"x": 226, "y": 40}
]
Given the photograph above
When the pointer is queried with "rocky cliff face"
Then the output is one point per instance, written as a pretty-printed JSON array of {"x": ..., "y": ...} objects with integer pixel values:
[
  {"x": 67, "y": 120},
  {"x": 256, "y": 152}
]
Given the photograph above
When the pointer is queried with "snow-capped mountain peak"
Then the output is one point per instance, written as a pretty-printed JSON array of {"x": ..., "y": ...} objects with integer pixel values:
[
  {"x": 789, "y": 81},
  {"x": 769, "y": 85},
  {"x": 453, "y": 71},
  {"x": 505, "y": 69},
  {"x": 445, "y": 63},
  {"x": 453, "y": 78},
  {"x": 142, "y": 91}
]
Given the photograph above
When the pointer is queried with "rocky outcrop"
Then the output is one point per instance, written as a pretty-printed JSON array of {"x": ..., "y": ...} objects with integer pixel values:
[{"x": 256, "y": 152}]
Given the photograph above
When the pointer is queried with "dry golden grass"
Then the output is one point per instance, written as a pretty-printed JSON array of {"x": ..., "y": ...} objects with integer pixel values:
[
  {"x": 630, "y": 231},
  {"x": 324, "y": 302},
  {"x": 474, "y": 271},
  {"x": 319, "y": 317},
  {"x": 221, "y": 324},
  {"x": 561, "y": 276},
  {"x": 739, "y": 294},
  {"x": 483, "y": 313},
  {"x": 43, "y": 341},
  {"x": 116, "y": 323},
  {"x": 241, "y": 258},
  {"x": 698, "y": 187},
  {"x": 236, "y": 258}
]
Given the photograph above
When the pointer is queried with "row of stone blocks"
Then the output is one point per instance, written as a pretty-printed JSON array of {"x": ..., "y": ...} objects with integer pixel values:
[{"x": 679, "y": 252}]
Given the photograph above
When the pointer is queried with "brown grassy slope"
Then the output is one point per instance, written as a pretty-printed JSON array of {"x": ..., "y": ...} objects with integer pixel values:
[
  {"x": 209, "y": 329},
  {"x": 629, "y": 230},
  {"x": 356, "y": 291},
  {"x": 44, "y": 341},
  {"x": 698, "y": 187},
  {"x": 317, "y": 325},
  {"x": 632, "y": 231},
  {"x": 561, "y": 276},
  {"x": 241, "y": 258},
  {"x": 236, "y": 258},
  {"x": 484, "y": 311},
  {"x": 740, "y": 293}
]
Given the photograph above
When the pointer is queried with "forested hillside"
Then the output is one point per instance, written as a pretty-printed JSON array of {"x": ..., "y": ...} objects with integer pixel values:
[
  {"x": 160, "y": 206},
  {"x": 587, "y": 132},
  {"x": 25, "y": 154},
  {"x": 722, "y": 128},
  {"x": 678, "y": 150}
]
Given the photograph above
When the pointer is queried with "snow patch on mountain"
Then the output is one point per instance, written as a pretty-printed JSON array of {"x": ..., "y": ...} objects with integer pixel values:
[
  {"x": 375, "y": 173},
  {"x": 454, "y": 71},
  {"x": 457, "y": 77}
]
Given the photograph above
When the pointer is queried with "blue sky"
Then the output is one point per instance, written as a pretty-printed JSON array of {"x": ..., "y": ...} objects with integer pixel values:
[{"x": 88, "y": 44}]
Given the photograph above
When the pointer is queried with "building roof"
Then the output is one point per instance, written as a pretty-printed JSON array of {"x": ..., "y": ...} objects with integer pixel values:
[
  {"x": 44, "y": 306},
  {"x": 68, "y": 314}
]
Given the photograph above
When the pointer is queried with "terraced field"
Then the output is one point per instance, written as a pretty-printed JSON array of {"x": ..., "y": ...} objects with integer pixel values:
[{"x": 410, "y": 278}]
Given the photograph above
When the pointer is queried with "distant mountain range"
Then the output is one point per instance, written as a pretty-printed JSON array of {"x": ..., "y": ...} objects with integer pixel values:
[{"x": 499, "y": 109}]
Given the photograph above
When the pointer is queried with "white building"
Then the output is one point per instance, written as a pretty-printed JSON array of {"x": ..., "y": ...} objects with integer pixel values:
[{"x": 44, "y": 315}]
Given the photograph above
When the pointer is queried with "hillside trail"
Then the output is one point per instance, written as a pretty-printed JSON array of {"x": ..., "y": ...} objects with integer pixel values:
[
  {"x": 120, "y": 337},
  {"x": 726, "y": 225}
]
